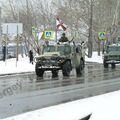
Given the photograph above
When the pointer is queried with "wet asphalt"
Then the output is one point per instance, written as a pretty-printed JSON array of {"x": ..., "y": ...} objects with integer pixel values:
[{"x": 20, "y": 93}]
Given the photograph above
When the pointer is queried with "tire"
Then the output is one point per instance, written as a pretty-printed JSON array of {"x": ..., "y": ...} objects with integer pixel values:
[
  {"x": 82, "y": 64},
  {"x": 113, "y": 65},
  {"x": 54, "y": 73},
  {"x": 38, "y": 71},
  {"x": 66, "y": 68},
  {"x": 80, "y": 68},
  {"x": 105, "y": 64}
]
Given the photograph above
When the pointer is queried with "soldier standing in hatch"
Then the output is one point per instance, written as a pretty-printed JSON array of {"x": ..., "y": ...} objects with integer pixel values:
[{"x": 63, "y": 38}]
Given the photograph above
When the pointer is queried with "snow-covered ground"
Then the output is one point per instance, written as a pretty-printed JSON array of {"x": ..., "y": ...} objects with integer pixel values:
[
  {"x": 23, "y": 64},
  {"x": 10, "y": 66},
  {"x": 95, "y": 58},
  {"x": 102, "y": 107}
]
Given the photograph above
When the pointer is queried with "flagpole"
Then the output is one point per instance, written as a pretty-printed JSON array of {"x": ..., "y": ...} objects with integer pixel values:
[
  {"x": 56, "y": 29},
  {"x": 59, "y": 25}
]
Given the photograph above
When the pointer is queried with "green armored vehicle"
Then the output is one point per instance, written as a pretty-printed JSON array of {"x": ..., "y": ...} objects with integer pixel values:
[
  {"x": 63, "y": 56},
  {"x": 112, "y": 55}
]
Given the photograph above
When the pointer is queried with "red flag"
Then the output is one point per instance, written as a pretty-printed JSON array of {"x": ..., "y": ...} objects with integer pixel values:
[{"x": 60, "y": 24}]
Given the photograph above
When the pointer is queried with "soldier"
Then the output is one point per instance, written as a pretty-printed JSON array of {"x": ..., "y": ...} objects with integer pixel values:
[
  {"x": 63, "y": 38},
  {"x": 4, "y": 53},
  {"x": 31, "y": 56}
]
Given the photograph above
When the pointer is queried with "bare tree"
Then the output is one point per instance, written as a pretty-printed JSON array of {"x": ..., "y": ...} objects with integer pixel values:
[{"x": 80, "y": 15}]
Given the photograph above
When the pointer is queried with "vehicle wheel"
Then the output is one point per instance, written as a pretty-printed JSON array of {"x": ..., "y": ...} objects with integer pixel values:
[
  {"x": 55, "y": 73},
  {"x": 105, "y": 64},
  {"x": 82, "y": 64},
  {"x": 66, "y": 68},
  {"x": 113, "y": 65},
  {"x": 38, "y": 71},
  {"x": 80, "y": 68}
]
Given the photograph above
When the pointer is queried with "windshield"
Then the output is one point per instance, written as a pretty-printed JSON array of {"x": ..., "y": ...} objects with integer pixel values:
[
  {"x": 49, "y": 49},
  {"x": 113, "y": 48},
  {"x": 62, "y": 49}
]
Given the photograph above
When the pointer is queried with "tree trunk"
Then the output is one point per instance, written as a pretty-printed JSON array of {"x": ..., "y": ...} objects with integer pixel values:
[
  {"x": 90, "y": 45},
  {"x": 98, "y": 48}
]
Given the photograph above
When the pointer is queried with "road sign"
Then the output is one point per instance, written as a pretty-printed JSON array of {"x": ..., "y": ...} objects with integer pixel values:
[
  {"x": 34, "y": 31},
  {"x": 49, "y": 35},
  {"x": 102, "y": 35},
  {"x": 12, "y": 28}
]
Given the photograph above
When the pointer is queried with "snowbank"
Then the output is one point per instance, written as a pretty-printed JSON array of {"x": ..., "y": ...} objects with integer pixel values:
[
  {"x": 95, "y": 58},
  {"x": 10, "y": 66},
  {"x": 102, "y": 107}
]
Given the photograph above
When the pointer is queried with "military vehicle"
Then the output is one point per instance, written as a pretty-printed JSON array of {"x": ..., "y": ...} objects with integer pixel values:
[
  {"x": 63, "y": 56},
  {"x": 112, "y": 54}
]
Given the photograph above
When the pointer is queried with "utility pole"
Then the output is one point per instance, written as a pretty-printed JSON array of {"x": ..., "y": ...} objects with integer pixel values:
[
  {"x": 28, "y": 23},
  {"x": 1, "y": 40},
  {"x": 17, "y": 44},
  {"x": 118, "y": 17},
  {"x": 90, "y": 44},
  {"x": 28, "y": 19},
  {"x": 0, "y": 24}
]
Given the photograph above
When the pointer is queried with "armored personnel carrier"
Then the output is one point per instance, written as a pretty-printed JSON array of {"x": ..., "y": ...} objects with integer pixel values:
[
  {"x": 63, "y": 56},
  {"x": 112, "y": 54}
]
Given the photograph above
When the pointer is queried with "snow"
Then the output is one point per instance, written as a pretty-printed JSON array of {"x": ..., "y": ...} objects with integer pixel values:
[
  {"x": 23, "y": 64},
  {"x": 102, "y": 107},
  {"x": 95, "y": 58},
  {"x": 10, "y": 66}
]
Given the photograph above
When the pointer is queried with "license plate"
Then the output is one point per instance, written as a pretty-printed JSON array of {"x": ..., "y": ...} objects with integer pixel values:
[{"x": 49, "y": 67}]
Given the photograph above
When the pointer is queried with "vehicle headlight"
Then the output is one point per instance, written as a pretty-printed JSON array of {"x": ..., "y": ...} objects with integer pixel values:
[
  {"x": 35, "y": 60},
  {"x": 39, "y": 59},
  {"x": 105, "y": 57},
  {"x": 42, "y": 58},
  {"x": 61, "y": 60}
]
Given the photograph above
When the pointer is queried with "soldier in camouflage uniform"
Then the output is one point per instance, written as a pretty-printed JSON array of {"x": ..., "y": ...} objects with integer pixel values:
[{"x": 63, "y": 38}]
